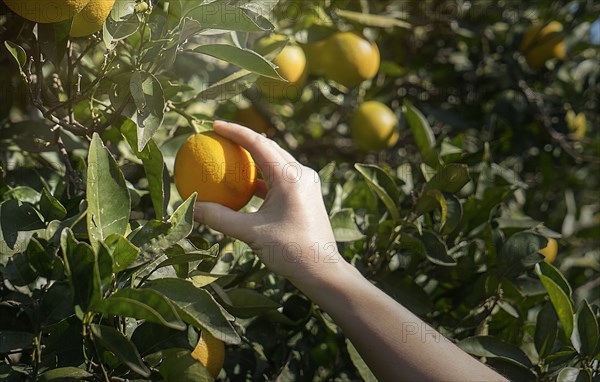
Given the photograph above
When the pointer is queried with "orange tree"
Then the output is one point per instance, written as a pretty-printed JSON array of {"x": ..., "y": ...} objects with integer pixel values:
[{"x": 105, "y": 275}]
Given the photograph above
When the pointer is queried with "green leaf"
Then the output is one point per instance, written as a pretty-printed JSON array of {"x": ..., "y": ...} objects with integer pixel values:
[
  {"x": 520, "y": 252},
  {"x": 103, "y": 268},
  {"x": 573, "y": 374},
  {"x": 156, "y": 236},
  {"x": 197, "y": 307},
  {"x": 451, "y": 178},
  {"x": 81, "y": 265},
  {"x": 150, "y": 338},
  {"x": 221, "y": 15},
  {"x": 23, "y": 194},
  {"x": 383, "y": 186},
  {"x": 57, "y": 304},
  {"x": 179, "y": 365},
  {"x": 121, "y": 23},
  {"x": 39, "y": 259},
  {"x": 124, "y": 253},
  {"x": 16, "y": 221},
  {"x": 50, "y": 207},
  {"x": 454, "y": 214},
  {"x": 546, "y": 330},
  {"x": 344, "y": 226},
  {"x": 488, "y": 346},
  {"x": 122, "y": 347},
  {"x": 247, "y": 303},
  {"x": 585, "y": 335},
  {"x": 244, "y": 58},
  {"x": 13, "y": 340},
  {"x": 185, "y": 258},
  {"x": 143, "y": 304},
  {"x": 109, "y": 202},
  {"x": 149, "y": 101},
  {"x": 421, "y": 131},
  {"x": 511, "y": 370},
  {"x": 550, "y": 271},
  {"x": 228, "y": 87},
  {"x": 429, "y": 200},
  {"x": 19, "y": 271},
  {"x": 65, "y": 374},
  {"x": 435, "y": 249},
  {"x": 154, "y": 166},
  {"x": 18, "y": 53},
  {"x": 379, "y": 21},
  {"x": 561, "y": 302},
  {"x": 359, "y": 363}
]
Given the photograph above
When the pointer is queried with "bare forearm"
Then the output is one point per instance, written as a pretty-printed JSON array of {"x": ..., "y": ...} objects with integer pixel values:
[{"x": 395, "y": 343}]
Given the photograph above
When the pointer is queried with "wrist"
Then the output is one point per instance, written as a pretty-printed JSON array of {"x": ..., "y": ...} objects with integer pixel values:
[{"x": 327, "y": 280}]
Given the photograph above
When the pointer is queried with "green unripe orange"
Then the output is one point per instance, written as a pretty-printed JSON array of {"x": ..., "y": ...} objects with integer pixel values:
[
  {"x": 347, "y": 58},
  {"x": 374, "y": 126}
]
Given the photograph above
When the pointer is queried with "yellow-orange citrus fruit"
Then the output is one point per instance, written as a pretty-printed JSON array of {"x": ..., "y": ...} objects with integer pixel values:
[
  {"x": 316, "y": 56},
  {"x": 46, "y": 11},
  {"x": 577, "y": 124},
  {"x": 543, "y": 42},
  {"x": 347, "y": 58},
  {"x": 550, "y": 250},
  {"x": 292, "y": 67},
  {"x": 91, "y": 18},
  {"x": 219, "y": 170},
  {"x": 253, "y": 119},
  {"x": 374, "y": 126},
  {"x": 210, "y": 352}
]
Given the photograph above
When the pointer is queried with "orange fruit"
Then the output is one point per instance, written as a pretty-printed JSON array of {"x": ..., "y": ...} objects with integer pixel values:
[
  {"x": 374, "y": 126},
  {"x": 543, "y": 42},
  {"x": 46, "y": 11},
  {"x": 291, "y": 63},
  {"x": 347, "y": 58},
  {"x": 219, "y": 170},
  {"x": 316, "y": 56},
  {"x": 550, "y": 250},
  {"x": 210, "y": 352},
  {"x": 91, "y": 18}
]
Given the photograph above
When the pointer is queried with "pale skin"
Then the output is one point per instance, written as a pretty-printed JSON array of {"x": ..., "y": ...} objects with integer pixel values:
[{"x": 286, "y": 232}]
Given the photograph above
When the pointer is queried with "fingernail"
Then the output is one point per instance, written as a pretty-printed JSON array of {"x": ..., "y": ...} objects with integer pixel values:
[{"x": 219, "y": 122}]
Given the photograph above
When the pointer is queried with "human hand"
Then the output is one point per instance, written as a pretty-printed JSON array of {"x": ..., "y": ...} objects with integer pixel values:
[{"x": 290, "y": 232}]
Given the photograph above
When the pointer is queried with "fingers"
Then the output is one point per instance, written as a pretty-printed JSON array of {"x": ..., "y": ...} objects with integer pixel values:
[
  {"x": 262, "y": 149},
  {"x": 225, "y": 220}
]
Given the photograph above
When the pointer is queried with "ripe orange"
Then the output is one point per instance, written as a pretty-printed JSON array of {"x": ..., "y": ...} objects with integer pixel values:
[
  {"x": 348, "y": 58},
  {"x": 210, "y": 352},
  {"x": 550, "y": 250},
  {"x": 253, "y": 119},
  {"x": 218, "y": 169},
  {"x": 292, "y": 66},
  {"x": 91, "y": 18},
  {"x": 46, "y": 11},
  {"x": 543, "y": 42},
  {"x": 374, "y": 126},
  {"x": 316, "y": 56}
]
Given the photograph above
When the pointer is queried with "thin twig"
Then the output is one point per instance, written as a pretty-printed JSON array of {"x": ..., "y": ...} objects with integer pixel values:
[{"x": 72, "y": 176}]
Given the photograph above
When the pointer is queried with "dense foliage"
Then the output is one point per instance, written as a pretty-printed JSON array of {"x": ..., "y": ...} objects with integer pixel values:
[{"x": 105, "y": 276}]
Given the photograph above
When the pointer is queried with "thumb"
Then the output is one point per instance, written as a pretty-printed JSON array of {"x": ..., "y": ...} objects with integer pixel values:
[{"x": 225, "y": 220}]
